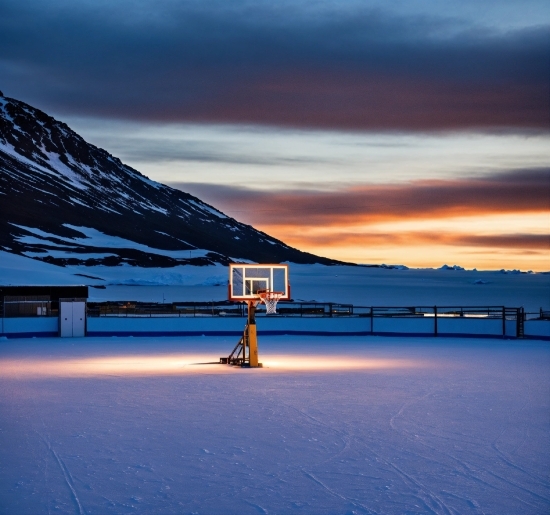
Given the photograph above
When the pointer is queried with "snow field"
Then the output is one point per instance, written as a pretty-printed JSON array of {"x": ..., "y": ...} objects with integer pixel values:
[
  {"x": 339, "y": 284},
  {"x": 354, "y": 425}
]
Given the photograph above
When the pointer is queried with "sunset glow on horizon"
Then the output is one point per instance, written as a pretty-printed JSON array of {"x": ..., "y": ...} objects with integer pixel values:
[
  {"x": 372, "y": 198},
  {"x": 413, "y": 133}
]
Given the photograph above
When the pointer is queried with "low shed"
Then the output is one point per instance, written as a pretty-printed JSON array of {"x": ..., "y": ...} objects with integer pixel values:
[{"x": 68, "y": 303}]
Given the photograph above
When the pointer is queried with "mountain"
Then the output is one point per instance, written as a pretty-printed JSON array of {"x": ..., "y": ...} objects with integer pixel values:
[{"x": 67, "y": 202}]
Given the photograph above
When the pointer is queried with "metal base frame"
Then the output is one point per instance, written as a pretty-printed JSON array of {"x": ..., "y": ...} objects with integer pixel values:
[{"x": 245, "y": 353}]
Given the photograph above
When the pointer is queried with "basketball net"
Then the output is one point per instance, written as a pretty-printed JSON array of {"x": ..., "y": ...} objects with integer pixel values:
[{"x": 270, "y": 299}]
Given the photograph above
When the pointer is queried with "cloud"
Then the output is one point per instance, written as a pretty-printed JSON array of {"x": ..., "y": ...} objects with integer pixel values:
[
  {"x": 518, "y": 241},
  {"x": 287, "y": 64},
  {"x": 505, "y": 192},
  {"x": 496, "y": 220},
  {"x": 534, "y": 242},
  {"x": 157, "y": 150}
]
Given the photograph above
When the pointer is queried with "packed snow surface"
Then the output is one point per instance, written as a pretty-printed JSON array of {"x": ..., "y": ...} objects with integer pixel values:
[{"x": 356, "y": 425}]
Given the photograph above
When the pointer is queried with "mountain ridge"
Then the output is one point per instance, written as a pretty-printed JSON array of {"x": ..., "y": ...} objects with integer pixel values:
[{"x": 67, "y": 202}]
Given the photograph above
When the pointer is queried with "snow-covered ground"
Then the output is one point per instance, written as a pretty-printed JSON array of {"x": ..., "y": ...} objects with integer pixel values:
[
  {"x": 344, "y": 284},
  {"x": 354, "y": 425},
  {"x": 330, "y": 425}
]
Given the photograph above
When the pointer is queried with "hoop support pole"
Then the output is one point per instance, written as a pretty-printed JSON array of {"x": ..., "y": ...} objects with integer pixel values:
[{"x": 252, "y": 334}]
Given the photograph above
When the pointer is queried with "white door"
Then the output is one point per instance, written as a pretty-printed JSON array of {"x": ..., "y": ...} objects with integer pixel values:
[
  {"x": 73, "y": 319},
  {"x": 66, "y": 319},
  {"x": 79, "y": 319}
]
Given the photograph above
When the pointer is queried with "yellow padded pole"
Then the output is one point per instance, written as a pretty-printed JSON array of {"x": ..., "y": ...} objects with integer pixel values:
[
  {"x": 253, "y": 345},
  {"x": 252, "y": 335}
]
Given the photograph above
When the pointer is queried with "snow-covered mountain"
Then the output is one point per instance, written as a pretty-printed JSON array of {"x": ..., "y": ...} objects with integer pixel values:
[{"x": 65, "y": 201}]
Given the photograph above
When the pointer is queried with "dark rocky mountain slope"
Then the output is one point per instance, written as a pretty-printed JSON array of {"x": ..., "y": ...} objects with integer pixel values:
[{"x": 65, "y": 201}]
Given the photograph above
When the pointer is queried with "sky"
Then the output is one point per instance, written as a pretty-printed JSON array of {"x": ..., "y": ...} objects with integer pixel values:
[{"x": 409, "y": 132}]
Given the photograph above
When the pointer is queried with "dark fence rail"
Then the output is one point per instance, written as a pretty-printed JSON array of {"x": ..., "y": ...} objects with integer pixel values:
[
  {"x": 305, "y": 309},
  {"x": 29, "y": 307}
]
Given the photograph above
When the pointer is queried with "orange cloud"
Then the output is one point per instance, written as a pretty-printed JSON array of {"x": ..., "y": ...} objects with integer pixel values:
[
  {"x": 498, "y": 221},
  {"x": 533, "y": 242},
  {"x": 518, "y": 191}
]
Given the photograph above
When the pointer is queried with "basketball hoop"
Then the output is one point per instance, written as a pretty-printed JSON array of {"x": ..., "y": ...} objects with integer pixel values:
[
  {"x": 270, "y": 299},
  {"x": 254, "y": 284}
]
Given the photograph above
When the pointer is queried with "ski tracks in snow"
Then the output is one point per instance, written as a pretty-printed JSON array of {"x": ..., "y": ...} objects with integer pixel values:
[
  {"x": 507, "y": 458},
  {"x": 468, "y": 470},
  {"x": 345, "y": 439},
  {"x": 406, "y": 405},
  {"x": 66, "y": 473},
  {"x": 432, "y": 502},
  {"x": 332, "y": 492}
]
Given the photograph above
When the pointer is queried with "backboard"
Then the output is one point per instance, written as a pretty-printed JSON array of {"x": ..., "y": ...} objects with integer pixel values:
[{"x": 246, "y": 281}]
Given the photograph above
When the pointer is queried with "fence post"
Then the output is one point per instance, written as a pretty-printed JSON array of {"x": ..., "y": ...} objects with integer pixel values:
[
  {"x": 503, "y": 321},
  {"x": 520, "y": 322},
  {"x": 435, "y": 320},
  {"x": 371, "y": 320}
]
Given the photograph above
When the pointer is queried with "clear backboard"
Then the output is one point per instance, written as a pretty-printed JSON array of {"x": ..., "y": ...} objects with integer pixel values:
[{"x": 246, "y": 282}]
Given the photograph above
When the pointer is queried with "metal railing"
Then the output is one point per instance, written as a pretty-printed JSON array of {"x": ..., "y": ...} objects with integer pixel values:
[
  {"x": 511, "y": 321},
  {"x": 303, "y": 309},
  {"x": 25, "y": 307}
]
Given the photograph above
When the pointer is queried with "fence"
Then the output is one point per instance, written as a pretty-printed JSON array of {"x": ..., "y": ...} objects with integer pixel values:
[
  {"x": 303, "y": 309},
  {"x": 223, "y": 317},
  {"x": 381, "y": 320}
]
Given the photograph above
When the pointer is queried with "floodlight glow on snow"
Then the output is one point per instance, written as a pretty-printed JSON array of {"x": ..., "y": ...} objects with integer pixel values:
[
  {"x": 290, "y": 362},
  {"x": 124, "y": 365},
  {"x": 185, "y": 364}
]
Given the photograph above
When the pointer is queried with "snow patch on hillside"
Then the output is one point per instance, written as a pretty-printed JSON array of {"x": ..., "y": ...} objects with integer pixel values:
[
  {"x": 19, "y": 270},
  {"x": 94, "y": 238},
  {"x": 65, "y": 254},
  {"x": 173, "y": 279},
  {"x": 67, "y": 173},
  {"x": 208, "y": 209}
]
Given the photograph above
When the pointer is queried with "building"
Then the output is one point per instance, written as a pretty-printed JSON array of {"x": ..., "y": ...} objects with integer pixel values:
[{"x": 62, "y": 310}]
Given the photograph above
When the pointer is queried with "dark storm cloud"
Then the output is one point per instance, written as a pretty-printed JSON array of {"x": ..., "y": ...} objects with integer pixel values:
[
  {"x": 257, "y": 63},
  {"x": 517, "y": 191}
]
